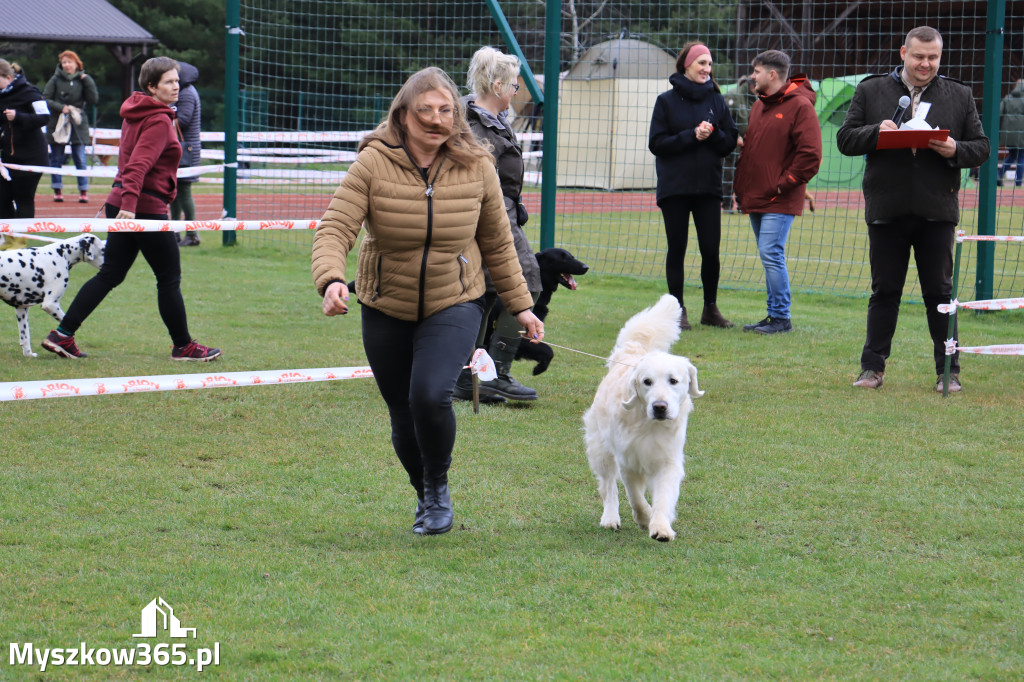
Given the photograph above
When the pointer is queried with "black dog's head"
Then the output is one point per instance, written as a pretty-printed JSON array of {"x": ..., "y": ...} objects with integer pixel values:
[{"x": 557, "y": 266}]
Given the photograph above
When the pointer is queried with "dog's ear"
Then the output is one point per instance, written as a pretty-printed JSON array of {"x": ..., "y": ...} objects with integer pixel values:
[
  {"x": 695, "y": 391},
  {"x": 634, "y": 396}
]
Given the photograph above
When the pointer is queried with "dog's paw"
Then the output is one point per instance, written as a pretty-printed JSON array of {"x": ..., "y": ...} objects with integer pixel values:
[
  {"x": 613, "y": 522},
  {"x": 642, "y": 518},
  {"x": 29, "y": 354},
  {"x": 662, "y": 533}
]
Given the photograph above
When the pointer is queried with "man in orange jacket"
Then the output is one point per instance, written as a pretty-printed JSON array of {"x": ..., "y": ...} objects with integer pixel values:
[{"x": 781, "y": 153}]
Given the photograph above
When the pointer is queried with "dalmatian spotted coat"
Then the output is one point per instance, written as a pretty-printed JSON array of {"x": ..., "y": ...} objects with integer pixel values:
[{"x": 39, "y": 276}]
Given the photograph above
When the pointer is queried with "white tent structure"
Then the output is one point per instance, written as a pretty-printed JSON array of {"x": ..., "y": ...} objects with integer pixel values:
[{"x": 604, "y": 115}]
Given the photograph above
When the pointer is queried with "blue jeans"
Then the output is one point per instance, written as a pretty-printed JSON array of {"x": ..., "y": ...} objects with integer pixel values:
[
  {"x": 57, "y": 157},
  {"x": 1014, "y": 157},
  {"x": 771, "y": 231}
]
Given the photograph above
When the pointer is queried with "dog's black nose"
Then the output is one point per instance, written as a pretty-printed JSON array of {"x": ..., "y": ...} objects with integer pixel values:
[{"x": 660, "y": 409}]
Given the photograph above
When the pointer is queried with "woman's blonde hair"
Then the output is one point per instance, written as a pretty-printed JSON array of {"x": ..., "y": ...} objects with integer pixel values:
[
  {"x": 489, "y": 66},
  {"x": 6, "y": 70},
  {"x": 462, "y": 148}
]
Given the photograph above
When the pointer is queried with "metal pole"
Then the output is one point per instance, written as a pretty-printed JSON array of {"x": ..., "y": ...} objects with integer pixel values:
[
  {"x": 513, "y": 46},
  {"x": 549, "y": 164},
  {"x": 990, "y": 122},
  {"x": 952, "y": 317},
  {"x": 231, "y": 47}
]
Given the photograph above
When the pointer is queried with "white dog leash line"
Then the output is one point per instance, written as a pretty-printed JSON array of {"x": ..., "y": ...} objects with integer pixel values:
[{"x": 555, "y": 345}]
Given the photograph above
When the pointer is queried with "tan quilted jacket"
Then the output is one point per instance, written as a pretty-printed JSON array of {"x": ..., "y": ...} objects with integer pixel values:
[{"x": 423, "y": 246}]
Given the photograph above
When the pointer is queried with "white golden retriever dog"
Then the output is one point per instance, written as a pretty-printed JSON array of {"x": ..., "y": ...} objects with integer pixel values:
[{"x": 636, "y": 428}]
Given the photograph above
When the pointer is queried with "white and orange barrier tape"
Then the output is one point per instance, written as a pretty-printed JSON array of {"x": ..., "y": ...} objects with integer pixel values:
[
  {"x": 990, "y": 304},
  {"x": 33, "y": 225},
  {"x": 962, "y": 236},
  {"x": 481, "y": 365},
  {"x": 331, "y": 136},
  {"x": 107, "y": 171},
  {"x": 998, "y": 349},
  {"x": 71, "y": 388}
]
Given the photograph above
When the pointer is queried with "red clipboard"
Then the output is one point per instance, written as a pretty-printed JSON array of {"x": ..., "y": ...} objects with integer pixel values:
[{"x": 908, "y": 139}]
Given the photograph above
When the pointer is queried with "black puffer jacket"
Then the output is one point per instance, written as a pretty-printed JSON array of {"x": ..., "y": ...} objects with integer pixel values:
[
  {"x": 189, "y": 112},
  {"x": 22, "y": 140},
  {"x": 508, "y": 161},
  {"x": 896, "y": 181},
  {"x": 686, "y": 166}
]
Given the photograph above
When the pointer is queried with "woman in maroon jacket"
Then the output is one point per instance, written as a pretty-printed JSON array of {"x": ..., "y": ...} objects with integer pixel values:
[{"x": 145, "y": 184}]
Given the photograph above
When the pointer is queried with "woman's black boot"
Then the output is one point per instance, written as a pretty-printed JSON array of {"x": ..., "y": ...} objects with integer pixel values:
[
  {"x": 421, "y": 515},
  {"x": 439, "y": 516}
]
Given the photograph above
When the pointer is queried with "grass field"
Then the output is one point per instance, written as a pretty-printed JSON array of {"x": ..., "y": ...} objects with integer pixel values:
[{"x": 824, "y": 531}]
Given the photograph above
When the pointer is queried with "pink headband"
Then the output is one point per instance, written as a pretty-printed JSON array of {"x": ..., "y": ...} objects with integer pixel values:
[{"x": 695, "y": 51}]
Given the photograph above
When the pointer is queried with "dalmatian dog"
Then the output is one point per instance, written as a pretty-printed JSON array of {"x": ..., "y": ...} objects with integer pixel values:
[{"x": 39, "y": 276}]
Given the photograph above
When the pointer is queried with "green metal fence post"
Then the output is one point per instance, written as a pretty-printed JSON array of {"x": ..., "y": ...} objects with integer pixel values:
[
  {"x": 513, "y": 46},
  {"x": 549, "y": 164},
  {"x": 990, "y": 122},
  {"x": 231, "y": 46}
]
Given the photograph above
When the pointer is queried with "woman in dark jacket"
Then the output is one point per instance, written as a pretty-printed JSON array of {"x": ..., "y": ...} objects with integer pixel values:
[
  {"x": 1011, "y": 133},
  {"x": 493, "y": 80},
  {"x": 145, "y": 184},
  {"x": 70, "y": 91},
  {"x": 691, "y": 132},
  {"x": 189, "y": 112},
  {"x": 23, "y": 113}
]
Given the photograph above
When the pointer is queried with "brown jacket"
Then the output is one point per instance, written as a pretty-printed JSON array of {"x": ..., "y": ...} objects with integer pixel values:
[
  {"x": 781, "y": 151},
  {"x": 423, "y": 249}
]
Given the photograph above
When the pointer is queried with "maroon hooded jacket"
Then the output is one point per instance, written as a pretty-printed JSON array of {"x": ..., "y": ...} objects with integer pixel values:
[
  {"x": 147, "y": 165},
  {"x": 781, "y": 150}
]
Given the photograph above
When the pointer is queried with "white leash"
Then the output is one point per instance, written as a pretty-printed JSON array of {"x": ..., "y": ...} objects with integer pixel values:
[{"x": 555, "y": 345}]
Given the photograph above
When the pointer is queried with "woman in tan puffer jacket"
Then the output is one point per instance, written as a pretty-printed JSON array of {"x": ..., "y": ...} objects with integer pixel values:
[{"x": 429, "y": 197}]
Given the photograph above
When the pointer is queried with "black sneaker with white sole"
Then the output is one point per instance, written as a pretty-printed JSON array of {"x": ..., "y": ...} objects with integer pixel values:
[
  {"x": 752, "y": 327},
  {"x": 774, "y": 325}
]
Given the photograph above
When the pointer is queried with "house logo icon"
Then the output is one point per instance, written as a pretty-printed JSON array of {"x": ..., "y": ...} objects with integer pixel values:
[{"x": 158, "y": 614}]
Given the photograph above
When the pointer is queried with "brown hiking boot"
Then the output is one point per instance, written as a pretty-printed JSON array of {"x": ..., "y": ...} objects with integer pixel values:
[
  {"x": 684, "y": 324},
  {"x": 869, "y": 378},
  {"x": 713, "y": 317}
]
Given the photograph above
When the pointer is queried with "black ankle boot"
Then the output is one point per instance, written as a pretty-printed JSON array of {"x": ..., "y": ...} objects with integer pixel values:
[
  {"x": 503, "y": 352},
  {"x": 438, "y": 515},
  {"x": 421, "y": 514}
]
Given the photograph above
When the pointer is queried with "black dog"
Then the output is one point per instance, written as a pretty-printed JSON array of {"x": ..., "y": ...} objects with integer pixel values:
[{"x": 557, "y": 267}]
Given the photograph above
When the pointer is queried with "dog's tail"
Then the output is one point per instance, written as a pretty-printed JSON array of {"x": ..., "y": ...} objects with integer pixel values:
[{"x": 655, "y": 328}]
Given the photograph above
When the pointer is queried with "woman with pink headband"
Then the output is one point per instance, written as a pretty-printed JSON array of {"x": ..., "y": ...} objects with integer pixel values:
[{"x": 691, "y": 132}]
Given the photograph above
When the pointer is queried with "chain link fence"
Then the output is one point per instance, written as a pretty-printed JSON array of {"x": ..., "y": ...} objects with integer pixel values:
[{"x": 325, "y": 71}]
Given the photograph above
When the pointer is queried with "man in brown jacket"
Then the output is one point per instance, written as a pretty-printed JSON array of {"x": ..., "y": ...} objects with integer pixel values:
[{"x": 781, "y": 153}]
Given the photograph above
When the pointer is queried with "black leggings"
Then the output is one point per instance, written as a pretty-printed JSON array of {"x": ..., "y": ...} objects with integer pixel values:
[
  {"x": 18, "y": 195},
  {"x": 707, "y": 219},
  {"x": 415, "y": 365},
  {"x": 160, "y": 249}
]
